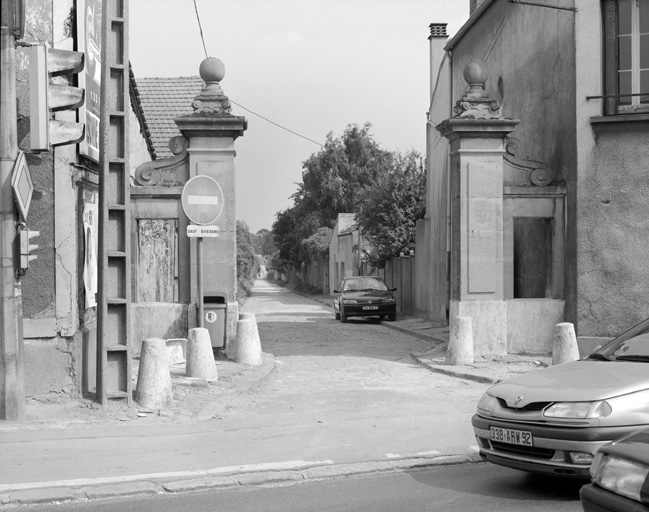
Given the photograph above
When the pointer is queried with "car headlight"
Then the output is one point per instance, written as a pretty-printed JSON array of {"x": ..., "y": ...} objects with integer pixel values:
[
  {"x": 350, "y": 301},
  {"x": 389, "y": 301},
  {"x": 486, "y": 404},
  {"x": 579, "y": 410},
  {"x": 619, "y": 476}
]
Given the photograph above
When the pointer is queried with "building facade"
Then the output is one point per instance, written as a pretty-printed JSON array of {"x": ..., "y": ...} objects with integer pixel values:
[
  {"x": 59, "y": 291},
  {"x": 574, "y": 167}
]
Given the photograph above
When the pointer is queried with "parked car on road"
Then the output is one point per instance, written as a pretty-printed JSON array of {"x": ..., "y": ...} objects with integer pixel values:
[
  {"x": 619, "y": 476},
  {"x": 364, "y": 296},
  {"x": 554, "y": 420}
]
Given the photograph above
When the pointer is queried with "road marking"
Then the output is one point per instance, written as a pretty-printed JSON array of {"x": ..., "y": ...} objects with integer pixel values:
[
  {"x": 248, "y": 468},
  {"x": 433, "y": 453}
]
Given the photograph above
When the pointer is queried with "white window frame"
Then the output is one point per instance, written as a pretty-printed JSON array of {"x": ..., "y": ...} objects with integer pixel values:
[{"x": 636, "y": 104}]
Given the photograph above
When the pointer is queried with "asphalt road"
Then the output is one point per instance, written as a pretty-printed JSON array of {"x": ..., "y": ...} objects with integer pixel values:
[{"x": 460, "y": 488}]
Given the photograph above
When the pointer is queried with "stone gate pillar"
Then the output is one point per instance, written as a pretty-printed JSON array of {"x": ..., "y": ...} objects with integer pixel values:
[
  {"x": 211, "y": 131},
  {"x": 476, "y": 133}
]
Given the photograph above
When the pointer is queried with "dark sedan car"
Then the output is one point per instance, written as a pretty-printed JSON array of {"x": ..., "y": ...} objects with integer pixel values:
[
  {"x": 619, "y": 476},
  {"x": 364, "y": 296}
]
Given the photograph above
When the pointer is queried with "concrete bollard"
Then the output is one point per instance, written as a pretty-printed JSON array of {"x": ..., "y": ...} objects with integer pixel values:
[
  {"x": 460, "y": 342},
  {"x": 200, "y": 359},
  {"x": 247, "y": 345},
  {"x": 153, "y": 390},
  {"x": 564, "y": 344}
]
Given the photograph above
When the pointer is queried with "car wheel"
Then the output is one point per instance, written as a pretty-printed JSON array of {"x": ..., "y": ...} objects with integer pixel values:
[
  {"x": 337, "y": 316},
  {"x": 343, "y": 316},
  {"x": 392, "y": 317}
]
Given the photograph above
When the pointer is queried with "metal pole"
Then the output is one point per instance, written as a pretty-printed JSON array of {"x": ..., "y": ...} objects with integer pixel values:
[
  {"x": 199, "y": 275},
  {"x": 12, "y": 379}
]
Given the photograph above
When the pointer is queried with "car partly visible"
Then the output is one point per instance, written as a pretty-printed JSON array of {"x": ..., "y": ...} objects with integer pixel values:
[
  {"x": 620, "y": 476},
  {"x": 364, "y": 296},
  {"x": 554, "y": 420}
]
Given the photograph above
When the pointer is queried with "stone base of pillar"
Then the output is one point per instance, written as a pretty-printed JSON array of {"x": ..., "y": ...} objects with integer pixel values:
[{"x": 489, "y": 322}]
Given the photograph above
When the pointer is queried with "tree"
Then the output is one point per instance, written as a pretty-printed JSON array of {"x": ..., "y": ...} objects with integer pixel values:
[
  {"x": 264, "y": 243},
  {"x": 247, "y": 265},
  {"x": 333, "y": 181},
  {"x": 392, "y": 205},
  {"x": 317, "y": 245}
]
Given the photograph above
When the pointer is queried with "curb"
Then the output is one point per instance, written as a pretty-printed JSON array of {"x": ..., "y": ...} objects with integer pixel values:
[
  {"x": 414, "y": 333},
  {"x": 455, "y": 373},
  {"x": 79, "y": 491}
]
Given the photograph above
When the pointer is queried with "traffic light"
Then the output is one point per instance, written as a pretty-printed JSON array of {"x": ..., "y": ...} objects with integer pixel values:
[
  {"x": 46, "y": 97},
  {"x": 26, "y": 248}
]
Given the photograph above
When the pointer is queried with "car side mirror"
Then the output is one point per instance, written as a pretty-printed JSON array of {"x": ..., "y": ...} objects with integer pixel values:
[
  {"x": 393, "y": 289},
  {"x": 336, "y": 291}
]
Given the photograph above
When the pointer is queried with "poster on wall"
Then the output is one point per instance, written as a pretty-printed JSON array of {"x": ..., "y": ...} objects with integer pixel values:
[
  {"x": 90, "y": 226},
  {"x": 89, "y": 42}
]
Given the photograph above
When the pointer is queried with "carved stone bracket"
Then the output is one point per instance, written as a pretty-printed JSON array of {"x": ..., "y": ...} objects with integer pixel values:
[
  {"x": 166, "y": 172},
  {"x": 538, "y": 174}
]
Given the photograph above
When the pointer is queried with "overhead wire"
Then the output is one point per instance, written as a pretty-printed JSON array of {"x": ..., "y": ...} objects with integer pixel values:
[
  {"x": 276, "y": 124},
  {"x": 200, "y": 28}
]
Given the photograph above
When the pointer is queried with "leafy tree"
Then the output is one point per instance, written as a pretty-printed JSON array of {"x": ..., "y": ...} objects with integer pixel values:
[
  {"x": 247, "y": 265},
  {"x": 392, "y": 205},
  {"x": 317, "y": 245},
  {"x": 264, "y": 243},
  {"x": 333, "y": 182}
]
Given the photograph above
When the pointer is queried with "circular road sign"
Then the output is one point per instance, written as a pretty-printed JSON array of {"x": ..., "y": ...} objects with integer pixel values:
[{"x": 202, "y": 200}]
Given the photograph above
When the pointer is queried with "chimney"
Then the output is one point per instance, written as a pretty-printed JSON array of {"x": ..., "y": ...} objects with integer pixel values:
[
  {"x": 474, "y": 6},
  {"x": 437, "y": 41}
]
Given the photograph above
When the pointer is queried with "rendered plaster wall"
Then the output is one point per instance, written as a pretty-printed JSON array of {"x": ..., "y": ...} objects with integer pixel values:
[
  {"x": 158, "y": 320},
  {"x": 612, "y": 232},
  {"x": 52, "y": 368},
  {"x": 432, "y": 250},
  {"x": 530, "y": 51}
]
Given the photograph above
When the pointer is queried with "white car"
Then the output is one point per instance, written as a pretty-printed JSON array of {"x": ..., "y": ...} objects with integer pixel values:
[{"x": 553, "y": 420}]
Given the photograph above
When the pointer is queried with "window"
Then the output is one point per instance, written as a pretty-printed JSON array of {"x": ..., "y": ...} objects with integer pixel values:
[{"x": 626, "y": 56}]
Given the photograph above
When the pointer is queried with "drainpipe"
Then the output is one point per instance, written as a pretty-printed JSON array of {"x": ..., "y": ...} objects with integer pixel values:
[{"x": 12, "y": 382}]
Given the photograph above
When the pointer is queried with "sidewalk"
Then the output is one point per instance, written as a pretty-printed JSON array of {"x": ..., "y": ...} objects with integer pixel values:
[{"x": 144, "y": 452}]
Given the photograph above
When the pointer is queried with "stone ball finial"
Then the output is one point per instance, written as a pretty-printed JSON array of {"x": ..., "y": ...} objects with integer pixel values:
[
  {"x": 475, "y": 72},
  {"x": 212, "y": 70}
]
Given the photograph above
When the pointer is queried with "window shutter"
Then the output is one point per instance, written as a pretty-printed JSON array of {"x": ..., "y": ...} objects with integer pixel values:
[{"x": 610, "y": 56}]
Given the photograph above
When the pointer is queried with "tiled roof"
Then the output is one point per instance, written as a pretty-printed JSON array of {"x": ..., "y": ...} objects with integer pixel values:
[
  {"x": 164, "y": 99},
  {"x": 349, "y": 229}
]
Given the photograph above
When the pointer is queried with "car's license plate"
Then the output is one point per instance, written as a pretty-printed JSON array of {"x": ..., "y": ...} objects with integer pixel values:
[
  {"x": 510, "y": 436},
  {"x": 370, "y": 307}
]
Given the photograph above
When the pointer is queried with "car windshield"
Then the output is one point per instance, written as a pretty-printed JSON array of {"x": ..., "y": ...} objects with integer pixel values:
[
  {"x": 364, "y": 285},
  {"x": 633, "y": 345}
]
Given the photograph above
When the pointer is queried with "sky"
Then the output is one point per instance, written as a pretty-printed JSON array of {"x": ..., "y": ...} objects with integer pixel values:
[{"x": 311, "y": 66}]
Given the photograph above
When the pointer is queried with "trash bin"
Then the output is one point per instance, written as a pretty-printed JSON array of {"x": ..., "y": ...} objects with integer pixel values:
[{"x": 215, "y": 317}]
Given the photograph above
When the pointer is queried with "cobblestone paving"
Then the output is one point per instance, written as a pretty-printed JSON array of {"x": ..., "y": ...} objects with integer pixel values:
[{"x": 327, "y": 369}]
